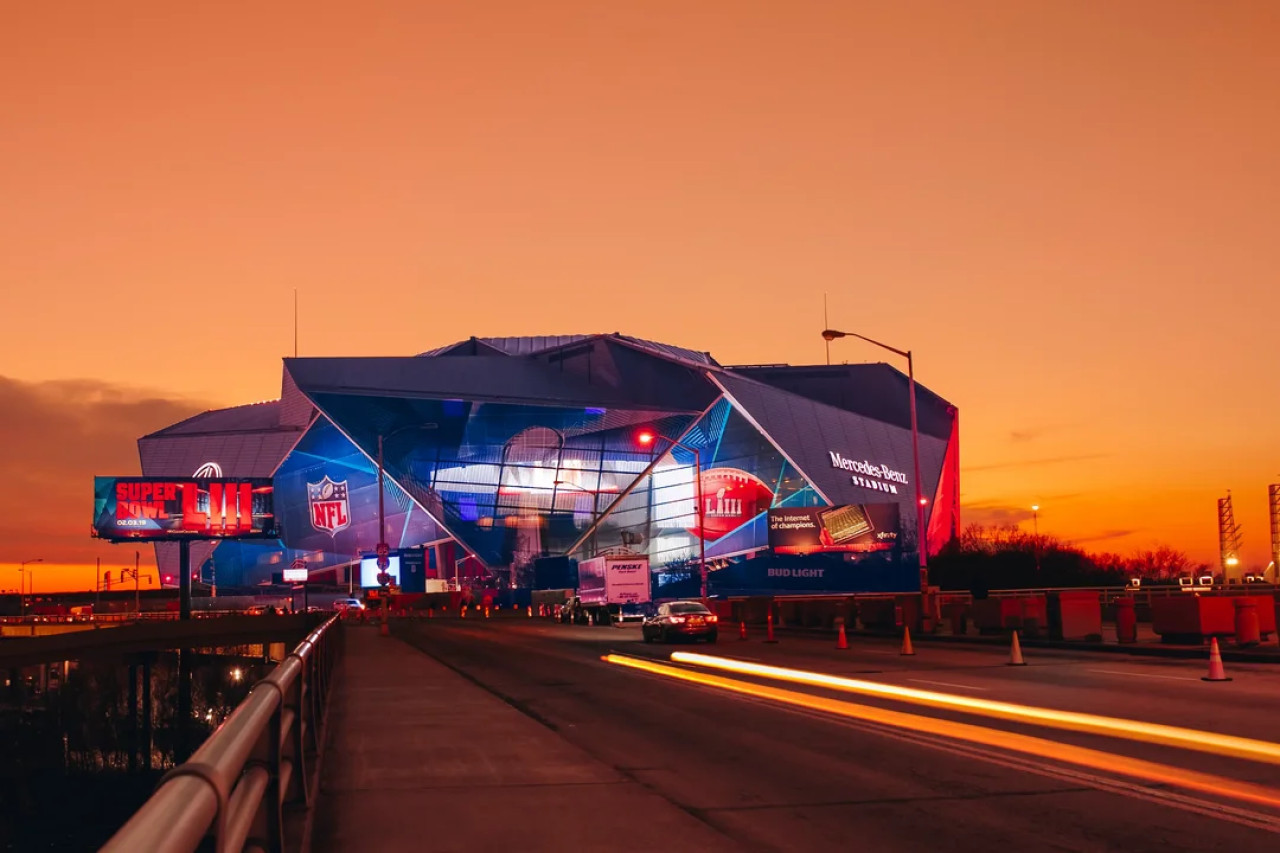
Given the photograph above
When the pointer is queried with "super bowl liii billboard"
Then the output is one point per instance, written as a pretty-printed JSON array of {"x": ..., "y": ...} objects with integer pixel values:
[
  {"x": 859, "y": 528},
  {"x": 159, "y": 509}
]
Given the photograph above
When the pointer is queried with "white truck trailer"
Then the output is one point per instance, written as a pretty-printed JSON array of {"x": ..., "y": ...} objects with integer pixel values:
[{"x": 610, "y": 589}]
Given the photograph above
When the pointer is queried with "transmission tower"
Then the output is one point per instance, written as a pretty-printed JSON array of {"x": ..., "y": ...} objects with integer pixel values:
[
  {"x": 1273, "y": 491},
  {"x": 1228, "y": 536}
]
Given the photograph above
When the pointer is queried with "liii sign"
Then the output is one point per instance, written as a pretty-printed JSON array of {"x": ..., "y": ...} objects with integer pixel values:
[{"x": 869, "y": 475}]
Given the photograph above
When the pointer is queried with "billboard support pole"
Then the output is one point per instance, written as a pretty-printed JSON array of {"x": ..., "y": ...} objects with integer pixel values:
[{"x": 184, "y": 579}]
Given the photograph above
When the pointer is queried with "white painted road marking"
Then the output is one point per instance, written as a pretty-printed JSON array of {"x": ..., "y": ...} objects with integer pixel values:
[
  {"x": 946, "y": 684},
  {"x": 1144, "y": 675}
]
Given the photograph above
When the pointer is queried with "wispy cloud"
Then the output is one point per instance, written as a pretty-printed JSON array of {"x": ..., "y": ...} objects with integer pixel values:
[
  {"x": 1103, "y": 536},
  {"x": 994, "y": 515},
  {"x": 54, "y": 437},
  {"x": 1030, "y": 463}
]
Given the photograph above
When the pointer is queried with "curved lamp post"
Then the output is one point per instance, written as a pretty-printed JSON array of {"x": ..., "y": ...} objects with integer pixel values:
[
  {"x": 22, "y": 581},
  {"x": 922, "y": 545},
  {"x": 647, "y": 438}
]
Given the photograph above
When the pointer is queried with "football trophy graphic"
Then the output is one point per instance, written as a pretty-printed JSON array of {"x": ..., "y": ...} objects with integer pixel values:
[{"x": 730, "y": 498}]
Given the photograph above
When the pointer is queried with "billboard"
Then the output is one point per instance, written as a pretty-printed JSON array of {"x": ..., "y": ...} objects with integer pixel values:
[
  {"x": 168, "y": 509},
  {"x": 859, "y": 528},
  {"x": 369, "y": 571}
]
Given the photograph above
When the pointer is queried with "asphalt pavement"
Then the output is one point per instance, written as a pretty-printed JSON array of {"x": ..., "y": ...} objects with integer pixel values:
[{"x": 763, "y": 775}]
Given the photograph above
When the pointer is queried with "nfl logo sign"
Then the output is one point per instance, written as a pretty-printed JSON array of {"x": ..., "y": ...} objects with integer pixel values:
[{"x": 330, "y": 511}]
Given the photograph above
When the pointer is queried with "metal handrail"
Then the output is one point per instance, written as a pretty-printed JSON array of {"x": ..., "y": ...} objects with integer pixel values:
[{"x": 234, "y": 787}]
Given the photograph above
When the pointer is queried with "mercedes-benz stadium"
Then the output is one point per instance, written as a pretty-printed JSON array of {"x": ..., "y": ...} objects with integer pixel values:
[{"x": 498, "y": 453}]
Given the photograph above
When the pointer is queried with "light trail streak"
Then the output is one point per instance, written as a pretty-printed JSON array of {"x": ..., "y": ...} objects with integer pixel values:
[
  {"x": 1191, "y": 739},
  {"x": 1080, "y": 756}
]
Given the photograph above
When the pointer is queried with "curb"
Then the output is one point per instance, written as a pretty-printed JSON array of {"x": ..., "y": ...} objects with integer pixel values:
[{"x": 1272, "y": 655}]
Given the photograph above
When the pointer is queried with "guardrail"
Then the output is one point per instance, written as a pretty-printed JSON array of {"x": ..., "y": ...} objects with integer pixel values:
[
  {"x": 234, "y": 788},
  {"x": 122, "y": 616}
]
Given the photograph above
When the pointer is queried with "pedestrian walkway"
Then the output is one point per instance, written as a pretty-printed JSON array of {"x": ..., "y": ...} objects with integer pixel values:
[{"x": 419, "y": 758}]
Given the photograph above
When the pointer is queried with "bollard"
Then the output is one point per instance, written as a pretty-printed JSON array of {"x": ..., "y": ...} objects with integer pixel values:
[
  {"x": 1126, "y": 621},
  {"x": 1247, "y": 631},
  {"x": 959, "y": 623}
]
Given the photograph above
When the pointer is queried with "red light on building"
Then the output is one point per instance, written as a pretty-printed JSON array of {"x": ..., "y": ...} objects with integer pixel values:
[{"x": 645, "y": 438}]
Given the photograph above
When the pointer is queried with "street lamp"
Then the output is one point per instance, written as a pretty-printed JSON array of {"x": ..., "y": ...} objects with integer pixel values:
[
  {"x": 1035, "y": 525},
  {"x": 829, "y": 335},
  {"x": 647, "y": 438},
  {"x": 383, "y": 549},
  {"x": 135, "y": 571},
  {"x": 22, "y": 581}
]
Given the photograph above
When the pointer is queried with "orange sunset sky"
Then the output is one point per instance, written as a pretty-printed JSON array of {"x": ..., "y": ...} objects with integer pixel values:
[{"x": 1066, "y": 209}]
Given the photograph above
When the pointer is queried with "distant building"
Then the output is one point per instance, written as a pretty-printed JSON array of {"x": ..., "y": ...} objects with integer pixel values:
[{"x": 498, "y": 451}]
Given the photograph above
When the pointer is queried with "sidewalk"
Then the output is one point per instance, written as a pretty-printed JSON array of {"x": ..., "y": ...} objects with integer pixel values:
[{"x": 419, "y": 758}]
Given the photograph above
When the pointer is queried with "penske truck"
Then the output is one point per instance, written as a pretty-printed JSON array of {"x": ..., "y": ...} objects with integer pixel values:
[{"x": 610, "y": 589}]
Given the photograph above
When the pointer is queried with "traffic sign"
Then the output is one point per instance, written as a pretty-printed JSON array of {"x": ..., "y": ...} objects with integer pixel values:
[
  {"x": 384, "y": 561},
  {"x": 298, "y": 564},
  {"x": 384, "y": 578},
  {"x": 383, "y": 549}
]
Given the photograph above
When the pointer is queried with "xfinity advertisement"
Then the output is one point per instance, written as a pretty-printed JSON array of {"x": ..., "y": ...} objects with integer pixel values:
[{"x": 857, "y": 528}]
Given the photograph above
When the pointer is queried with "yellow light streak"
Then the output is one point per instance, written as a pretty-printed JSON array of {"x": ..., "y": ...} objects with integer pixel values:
[
  {"x": 1136, "y": 768},
  {"x": 1192, "y": 739}
]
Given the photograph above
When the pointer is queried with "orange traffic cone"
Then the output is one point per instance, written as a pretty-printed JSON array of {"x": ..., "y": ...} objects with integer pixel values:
[
  {"x": 907, "y": 648},
  {"x": 530, "y": 609},
  {"x": 742, "y": 630},
  {"x": 1216, "y": 672},
  {"x": 1015, "y": 654},
  {"x": 486, "y": 613},
  {"x": 842, "y": 641},
  {"x": 591, "y": 617},
  {"x": 769, "y": 624}
]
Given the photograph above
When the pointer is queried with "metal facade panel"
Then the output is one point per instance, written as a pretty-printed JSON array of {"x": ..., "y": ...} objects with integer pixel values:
[
  {"x": 809, "y": 431},
  {"x": 254, "y": 454},
  {"x": 877, "y": 391}
]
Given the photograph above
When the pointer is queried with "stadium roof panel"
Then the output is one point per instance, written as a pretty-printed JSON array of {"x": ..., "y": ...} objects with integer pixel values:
[
  {"x": 537, "y": 344},
  {"x": 254, "y": 417},
  {"x": 515, "y": 381}
]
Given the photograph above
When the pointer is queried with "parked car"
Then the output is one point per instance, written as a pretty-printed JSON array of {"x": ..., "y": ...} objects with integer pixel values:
[
  {"x": 676, "y": 619},
  {"x": 348, "y": 604}
]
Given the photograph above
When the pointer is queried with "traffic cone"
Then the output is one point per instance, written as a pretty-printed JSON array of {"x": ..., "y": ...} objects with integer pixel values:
[
  {"x": 1216, "y": 672},
  {"x": 769, "y": 624},
  {"x": 907, "y": 648},
  {"x": 486, "y": 613},
  {"x": 591, "y": 617},
  {"x": 1015, "y": 654},
  {"x": 842, "y": 641},
  {"x": 742, "y": 630},
  {"x": 530, "y": 609}
]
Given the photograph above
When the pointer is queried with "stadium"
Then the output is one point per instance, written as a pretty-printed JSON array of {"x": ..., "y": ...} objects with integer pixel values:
[{"x": 499, "y": 453}]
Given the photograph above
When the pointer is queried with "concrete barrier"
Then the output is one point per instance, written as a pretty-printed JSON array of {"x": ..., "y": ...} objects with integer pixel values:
[
  {"x": 1192, "y": 618},
  {"x": 1075, "y": 616},
  {"x": 1027, "y": 614}
]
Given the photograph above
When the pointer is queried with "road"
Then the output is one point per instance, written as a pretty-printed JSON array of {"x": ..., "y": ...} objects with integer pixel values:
[{"x": 773, "y": 776}]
